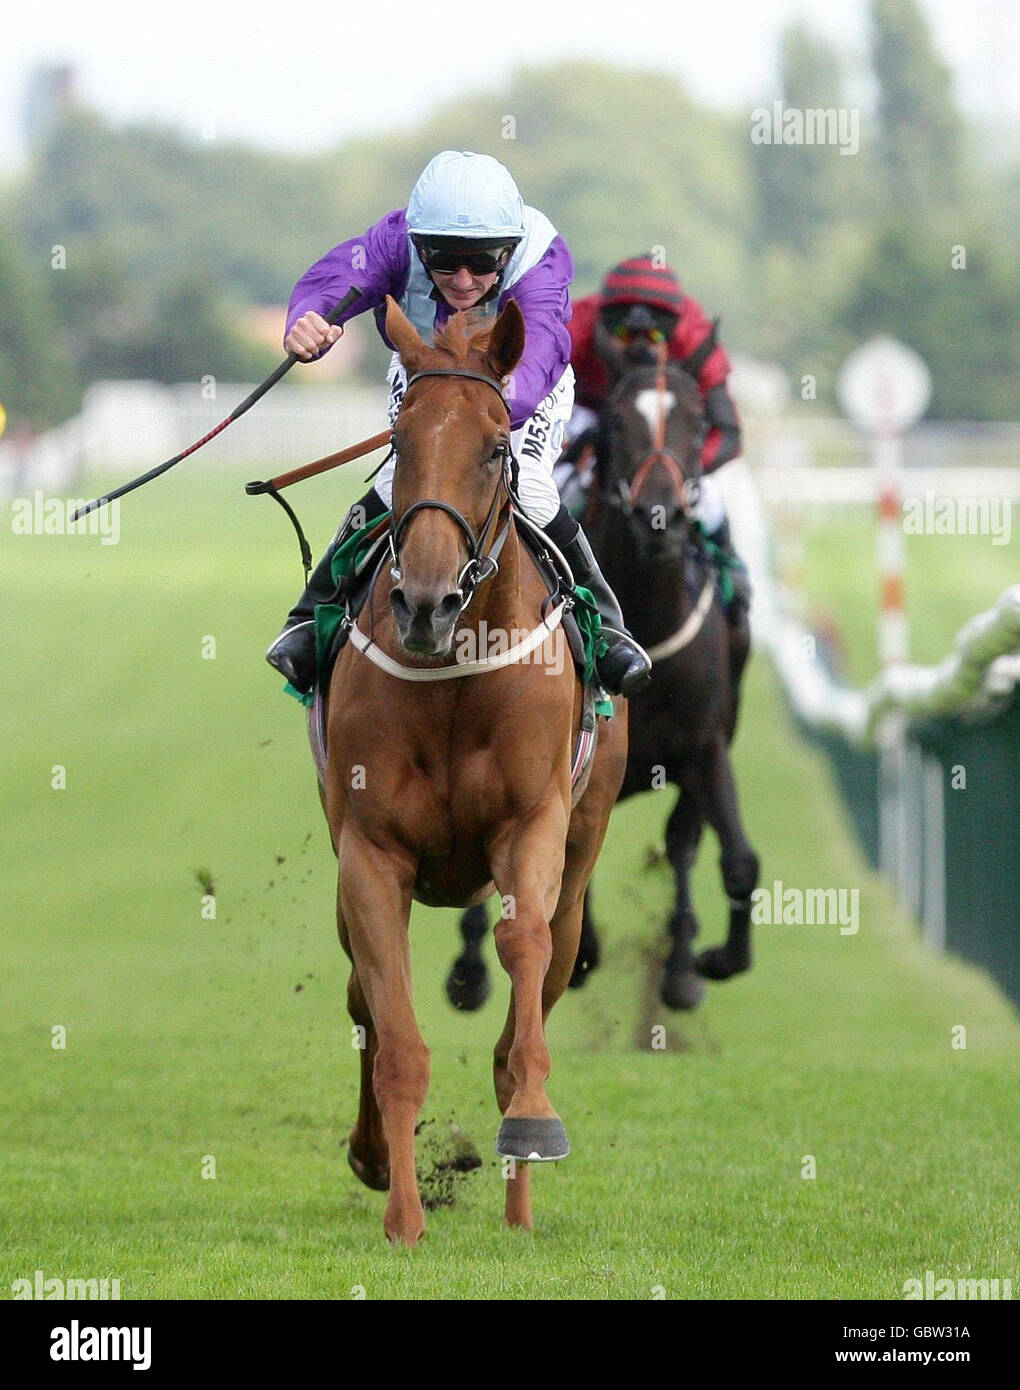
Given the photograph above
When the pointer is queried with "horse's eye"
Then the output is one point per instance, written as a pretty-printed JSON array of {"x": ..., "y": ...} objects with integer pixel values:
[{"x": 499, "y": 452}]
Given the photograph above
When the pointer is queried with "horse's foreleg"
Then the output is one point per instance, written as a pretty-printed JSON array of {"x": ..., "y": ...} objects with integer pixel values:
[
  {"x": 374, "y": 901},
  {"x": 527, "y": 865},
  {"x": 565, "y": 933},
  {"x": 738, "y": 862},
  {"x": 682, "y": 987},
  {"x": 516, "y": 1175},
  {"x": 467, "y": 985}
]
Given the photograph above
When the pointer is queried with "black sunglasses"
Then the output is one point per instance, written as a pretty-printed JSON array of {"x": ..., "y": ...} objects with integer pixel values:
[{"x": 448, "y": 260}]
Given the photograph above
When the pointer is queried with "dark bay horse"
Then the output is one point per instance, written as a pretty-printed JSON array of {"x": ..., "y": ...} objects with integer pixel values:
[
  {"x": 641, "y": 527},
  {"x": 443, "y": 786}
]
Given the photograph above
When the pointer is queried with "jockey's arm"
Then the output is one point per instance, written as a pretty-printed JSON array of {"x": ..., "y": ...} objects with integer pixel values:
[
  {"x": 542, "y": 297},
  {"x": 376, "y": 263},
  {"x": 722, "y": 440}
]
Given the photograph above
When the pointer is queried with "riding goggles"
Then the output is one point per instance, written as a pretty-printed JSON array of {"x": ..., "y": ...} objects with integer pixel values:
[
  {"x": 625, "y": 332},
  {"x": 447, "y": 255},
  {"x": 628, "y": 321}
]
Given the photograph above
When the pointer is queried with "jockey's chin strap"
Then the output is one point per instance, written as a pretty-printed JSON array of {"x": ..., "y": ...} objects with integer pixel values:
[{"x": 481, "y": 565}]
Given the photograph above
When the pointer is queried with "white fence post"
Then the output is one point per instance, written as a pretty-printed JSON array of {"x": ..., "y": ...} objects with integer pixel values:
[{"x": 884, "y": 387}]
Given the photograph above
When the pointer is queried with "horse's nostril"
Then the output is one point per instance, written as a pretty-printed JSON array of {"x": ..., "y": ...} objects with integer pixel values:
[
  {"x": 425, "y": 614},
  {"x": 450, "y": 606},
  {"x": 400, "y": 606}
]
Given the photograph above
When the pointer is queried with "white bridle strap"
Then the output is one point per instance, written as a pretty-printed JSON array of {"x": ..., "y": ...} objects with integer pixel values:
[
  {"x": 690, "y": 629},
  {"x": 464, "y": 668}
]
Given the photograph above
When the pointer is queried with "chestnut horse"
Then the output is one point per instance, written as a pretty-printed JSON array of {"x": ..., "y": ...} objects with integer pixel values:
[{"x": 441, "y": 789}]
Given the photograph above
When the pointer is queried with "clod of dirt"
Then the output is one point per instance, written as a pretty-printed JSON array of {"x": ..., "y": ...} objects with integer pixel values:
[
  {"x": 205, "y": 881},
  {"x": 444, "y": 1161}
]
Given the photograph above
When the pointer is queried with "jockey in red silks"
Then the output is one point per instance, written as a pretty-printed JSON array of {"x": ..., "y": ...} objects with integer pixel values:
[
  {"x": 466, "y": 241},
  {"x": 643, "y": 301}
]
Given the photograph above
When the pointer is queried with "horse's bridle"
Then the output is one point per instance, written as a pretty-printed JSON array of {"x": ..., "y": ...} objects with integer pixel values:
[
  {"x": 684, "y": 488},
  {"x": 481, "y": 565}
]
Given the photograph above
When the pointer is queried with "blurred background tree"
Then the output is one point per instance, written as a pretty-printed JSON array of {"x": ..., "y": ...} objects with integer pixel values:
[
  {"x": 801, "y": 250},
  {"x": 937, "y": 272},
  {"x": 39, "y": 382}
]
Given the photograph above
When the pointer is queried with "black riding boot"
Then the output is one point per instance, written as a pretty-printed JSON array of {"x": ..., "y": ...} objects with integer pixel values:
[
  {"x": 625, "y": 667},
  {"x": 729, "y": 562},
  {"x": 293, "y": 652}
]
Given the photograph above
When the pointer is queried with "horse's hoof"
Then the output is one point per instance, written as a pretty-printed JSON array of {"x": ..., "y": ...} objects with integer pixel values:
[
  {"x": 406, "y": 1233},
  {"x": 681, "y": 989},
  {"x": 583, "y": 967},
  {"x": 467, "y": 985},
  {"x": 719, "y": 963},
  {"x": 538, "y": 1140},
  {"x": 404, "y": 1240},
  {"x": 377, "y": 1178}
]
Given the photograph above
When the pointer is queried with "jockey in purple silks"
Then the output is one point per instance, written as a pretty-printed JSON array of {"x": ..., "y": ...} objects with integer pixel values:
[{"x": 465, "y": 241}]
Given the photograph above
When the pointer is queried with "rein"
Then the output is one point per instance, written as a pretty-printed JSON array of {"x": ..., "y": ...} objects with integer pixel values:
[{"x": 689, "y": 630}]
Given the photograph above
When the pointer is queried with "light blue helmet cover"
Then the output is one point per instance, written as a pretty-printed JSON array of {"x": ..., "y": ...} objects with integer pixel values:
[{"x": 461, "y": 194}]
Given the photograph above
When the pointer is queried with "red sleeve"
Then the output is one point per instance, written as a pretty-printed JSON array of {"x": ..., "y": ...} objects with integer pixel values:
[
  {"x": 589, "y": 369},
  {"x": 692, "y": 328}
]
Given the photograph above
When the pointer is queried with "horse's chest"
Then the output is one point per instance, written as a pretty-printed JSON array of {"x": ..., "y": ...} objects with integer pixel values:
[{"x": 438, "y": 801}]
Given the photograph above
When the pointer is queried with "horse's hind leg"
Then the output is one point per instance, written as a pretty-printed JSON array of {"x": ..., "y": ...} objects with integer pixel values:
[
  {"x": 374, "y": 898},
  {"x": 588, "y": 949},
  {"x": 738, "y": 862},
  {"x": 467, "y": 985},
  {"x": 682, "y": 987}
]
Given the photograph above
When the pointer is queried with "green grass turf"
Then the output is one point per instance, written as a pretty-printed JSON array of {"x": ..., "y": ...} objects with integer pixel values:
[{"x": 188, "y": 1037}]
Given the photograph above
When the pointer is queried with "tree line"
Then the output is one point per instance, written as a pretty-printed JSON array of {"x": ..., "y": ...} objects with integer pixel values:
[{"x": 132, "y": 251}]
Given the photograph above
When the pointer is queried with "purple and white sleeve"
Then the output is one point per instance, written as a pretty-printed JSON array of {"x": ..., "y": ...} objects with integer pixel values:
[
  {"x": 377, "y": 263},
  {"x": 543, "y": 297}
]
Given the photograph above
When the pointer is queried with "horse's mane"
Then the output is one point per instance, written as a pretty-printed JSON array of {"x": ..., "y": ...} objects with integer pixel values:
[{"x": 463, "y": 335}]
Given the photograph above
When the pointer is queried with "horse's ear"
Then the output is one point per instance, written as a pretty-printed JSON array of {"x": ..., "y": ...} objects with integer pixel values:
[
  {"x": 610, "y": 349},
  {"x": 506, "y": 345},
  {"x": 401, "y": 331}
]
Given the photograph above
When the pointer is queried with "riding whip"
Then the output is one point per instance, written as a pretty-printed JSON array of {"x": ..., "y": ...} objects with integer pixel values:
[{"x": 256, "y": 395}]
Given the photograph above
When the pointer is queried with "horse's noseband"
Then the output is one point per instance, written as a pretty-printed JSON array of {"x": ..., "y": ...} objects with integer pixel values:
[{"x": 480, "y": 566}]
